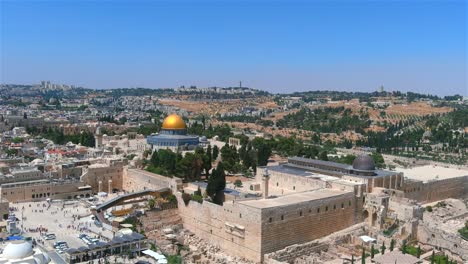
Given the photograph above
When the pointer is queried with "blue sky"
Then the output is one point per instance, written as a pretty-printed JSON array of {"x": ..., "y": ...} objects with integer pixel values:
[{"x": 278, "y": 46}]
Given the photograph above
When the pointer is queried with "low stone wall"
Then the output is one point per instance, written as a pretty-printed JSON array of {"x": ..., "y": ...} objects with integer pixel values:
[
  {"x": 433, "y": 236},
  {"x": 289, "y": 254}
]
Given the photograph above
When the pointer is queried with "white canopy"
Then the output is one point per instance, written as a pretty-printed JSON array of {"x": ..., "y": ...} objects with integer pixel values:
[
  {"x": 367, "y": 239},
  {"x": 155, "y": 255}
]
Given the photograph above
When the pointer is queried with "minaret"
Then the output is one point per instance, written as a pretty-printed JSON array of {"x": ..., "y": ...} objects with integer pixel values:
[
  {"x": 98, "y": 137},
  {"x": 266, "y": 181}
]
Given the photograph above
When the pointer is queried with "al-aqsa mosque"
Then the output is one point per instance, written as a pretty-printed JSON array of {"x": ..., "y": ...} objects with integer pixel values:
[{"x": 173, "y": 136}]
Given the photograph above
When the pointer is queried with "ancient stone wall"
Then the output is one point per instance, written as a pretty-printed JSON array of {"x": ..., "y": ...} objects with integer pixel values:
[
  {"x": 436, "y": 190},
  {"x": 138, "y": 180},
  {"x": 302, "y": 222},
  {"x": 431, "y": 235},
  {"x": 290, "y": 253},
  {"x": 104, "y": 179},
  {"x": 234, "y": 227}
]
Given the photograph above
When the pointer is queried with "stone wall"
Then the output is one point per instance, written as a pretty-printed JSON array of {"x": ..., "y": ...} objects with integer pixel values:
[
  {"x": 432, "y": 235},
  {"x": 138, "y": 180},
  {"x": 233, "y": 227},
  {"x": 103, "y": 179},
  {"x": 290, "y": 253},
  {"x": 436, "y": 190},
  {"x": 303, "y": 222},
  {"x": 279, "y": 180},
  {"x": 30, "y": 191}
]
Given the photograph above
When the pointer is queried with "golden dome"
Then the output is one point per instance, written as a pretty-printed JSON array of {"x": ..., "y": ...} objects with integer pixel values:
[{"x": 173, "y": 122}]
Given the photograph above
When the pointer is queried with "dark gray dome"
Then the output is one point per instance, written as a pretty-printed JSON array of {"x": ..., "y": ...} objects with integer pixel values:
[
  {"x": 427, "y": 134},
  {"x": 364, "y": 163}
]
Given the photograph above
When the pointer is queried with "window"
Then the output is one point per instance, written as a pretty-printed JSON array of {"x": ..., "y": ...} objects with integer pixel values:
[
  {"x": 310, "y": 211},
  {"x": 270, "y": 220},
  {"x": 240, "y": 215},
  {"x": 282, "y": 217},
  {"x": 326, "y": 208},
  {"x": 294, "y": 187},
  {"x": 318, "y": 210},
  {"x": 349, "y": 203},
  {"x": 342, "y": 205},
  {"x": 334, "y": 207},
  {"x": 277, "y": 184},
  {"x": 300, "y": 213}
]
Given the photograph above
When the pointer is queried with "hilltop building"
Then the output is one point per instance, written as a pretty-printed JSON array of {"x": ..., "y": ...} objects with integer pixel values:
[{"x": 173, "y": 136}]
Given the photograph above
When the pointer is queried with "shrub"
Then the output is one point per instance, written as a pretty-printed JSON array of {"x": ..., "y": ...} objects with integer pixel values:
[
  {"x": 186, "y": 198},
  {"x": 197, "y": 198},
  {"x": 172, "y": 198},
  {"x": 238, "y": 183}
]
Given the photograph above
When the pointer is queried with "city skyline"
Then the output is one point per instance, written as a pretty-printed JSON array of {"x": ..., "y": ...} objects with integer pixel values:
[{"x": 275, "y": 46}]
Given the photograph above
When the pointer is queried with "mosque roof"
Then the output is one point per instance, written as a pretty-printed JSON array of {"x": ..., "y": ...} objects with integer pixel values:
[
  {"x": 364, "y": 163},
  {"x": 18, "y": 249},
  {"x": 174, "y": 121}
]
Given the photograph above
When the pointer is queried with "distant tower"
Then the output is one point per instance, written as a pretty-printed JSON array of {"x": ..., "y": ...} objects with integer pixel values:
[
  {"x": 98, "y": 137},
  {"x": 266, "y": 181},
  {"x": 240, "y": 84},
  {"x": 381, "y": 89}
]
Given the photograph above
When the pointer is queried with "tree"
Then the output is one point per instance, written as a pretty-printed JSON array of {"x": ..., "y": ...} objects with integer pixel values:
[
  {"x": 151, "y": 203},
  {"x": 392, "y": 245},
  {"x": 382, "y": 248},
  {"x": 215, "y": 152},
  {"x": 403, "y": 247},
  {"x": 323, "y": 155},
  {"x": 229, "y": 157},
  {"x": 433, "y": 257},
  {"x": 363, "y": 257},
  {"x": 238, "y": 183},
  {"x": 378, "y": 160},
  {"x": 418, "y": 252},
  {"x": 372, "y": 251},
  {"x": 209, "y": 152},
  {"x": 216, "y": 184},
  {"x": 352, "y": 259},
  {"x": 263, "y": 151}
]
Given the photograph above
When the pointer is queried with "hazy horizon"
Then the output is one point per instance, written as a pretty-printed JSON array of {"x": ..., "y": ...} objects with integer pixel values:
[{"x": 276, "y": 46}]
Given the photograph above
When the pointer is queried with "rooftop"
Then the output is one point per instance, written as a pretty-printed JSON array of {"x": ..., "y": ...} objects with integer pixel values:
[
  {"x": 432, "y": 172},
  {"x": 294, "y": 198}
]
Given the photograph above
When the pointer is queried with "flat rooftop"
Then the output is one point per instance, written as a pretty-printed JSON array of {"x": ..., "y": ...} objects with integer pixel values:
[
  {"x": 294, "y": 198},
  {"x": 432, "y": 172},
  {"x": 301, "y": 172}
]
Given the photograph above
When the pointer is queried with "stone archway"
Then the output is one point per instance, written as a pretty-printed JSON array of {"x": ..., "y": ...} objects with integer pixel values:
[
  {"x": 374, "y": 218},
  {"x": 365, "y": 215}
]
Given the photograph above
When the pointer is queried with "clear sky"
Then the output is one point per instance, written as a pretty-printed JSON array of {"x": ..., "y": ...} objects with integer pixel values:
[{"x": 278, "y": 46}]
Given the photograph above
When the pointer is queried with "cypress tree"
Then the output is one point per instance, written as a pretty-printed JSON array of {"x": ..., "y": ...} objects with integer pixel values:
[
  {"x": 392, "y": 245},
  {"x": 363, "y": 257},
  {"x": 382, "y": 248}
]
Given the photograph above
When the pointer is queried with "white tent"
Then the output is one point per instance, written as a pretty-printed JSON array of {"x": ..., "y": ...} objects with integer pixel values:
[
  {"x": 160, "y": 258},
  {"x": 367, "y": 239}
]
